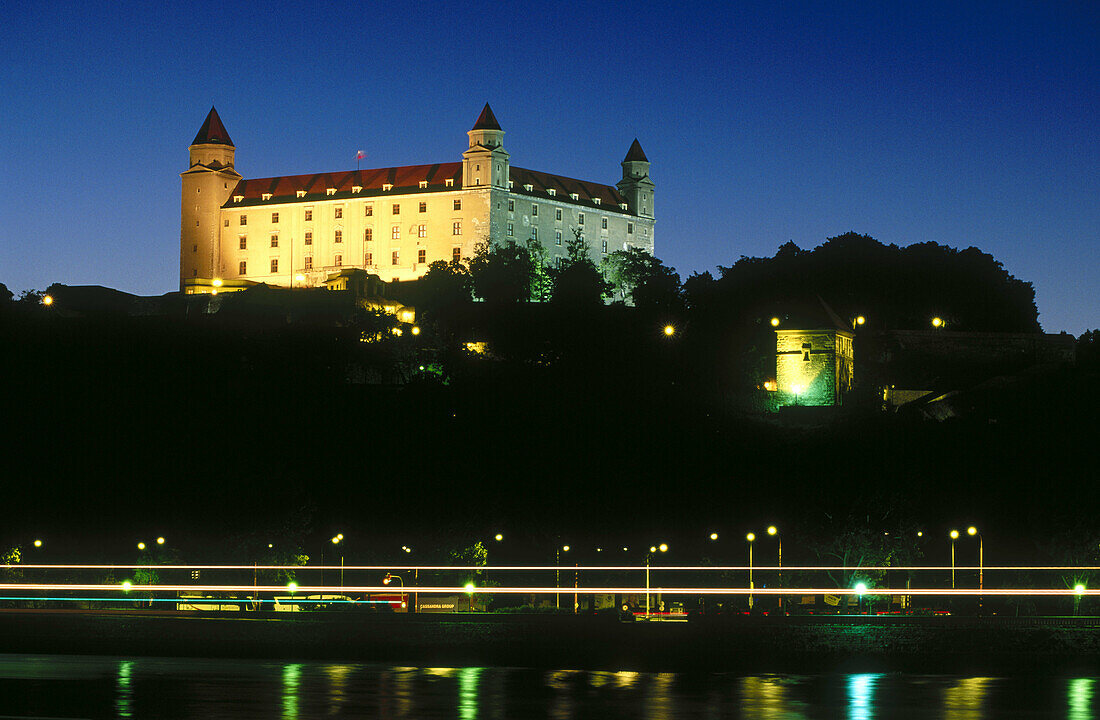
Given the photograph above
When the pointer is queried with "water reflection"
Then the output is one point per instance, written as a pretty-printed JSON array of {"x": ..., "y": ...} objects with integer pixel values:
[
  {"x": 1080, "y": 699},
  {"x": 124, "y": 692},
  {"x": 292, "y": 674},
  {"x": 67, "y": 686},
  {"x": 964, "y": 699},
  {"x": 861, "y": 696}
]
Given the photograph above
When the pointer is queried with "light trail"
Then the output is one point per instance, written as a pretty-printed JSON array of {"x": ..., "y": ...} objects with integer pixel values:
[
  {"x": 457, "y": 590},
  {"x": 551, "y": 568}
]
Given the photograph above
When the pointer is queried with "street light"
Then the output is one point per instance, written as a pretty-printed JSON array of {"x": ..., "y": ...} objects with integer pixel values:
[
  {"x": 750, "y": 537},
  {"x": 141, "y": 546},
  {"x": 714, "y": 536},
  {"x": 972, "y": 531},
  {"x": 954, "y": 537},
  {"x": 652, "y": 550},
  {"x": 937, "y": 322},
  {"x": 160, "y": 541},
  {"x": 861, "y": 588},
  {"x": 498, "y": 537},
  {"x": 775, "y": 322},
  {"x": 669, "y": 330},
  {"x": 38, "y": 543},
  {"x": 389, "y": 578},
  {"x": 774, "y": 531},
  {"x": 557, "y": 574}
]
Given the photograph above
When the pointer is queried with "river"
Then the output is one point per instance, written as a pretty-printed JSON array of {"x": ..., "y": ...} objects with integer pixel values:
[{"x": 72, "y": 686}]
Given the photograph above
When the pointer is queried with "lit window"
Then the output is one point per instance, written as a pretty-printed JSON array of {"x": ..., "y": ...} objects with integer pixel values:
[
  {"x": 534, "y": 211},
  {"x": 574, "y": 196},
  {"x": 458, "y": 204},
  {"x": 338, "y": 236},
  {"x": 630, "y": 228},
  {"x": 805, "y": 352},
  {"x": 603, "y": 223},
  {"x": 422, "y": 231},
  {"x": 551, "y": 192},
  {"x": 580, "y": 218},
  {"x": 309, "y": 262},
  {"x": 274, "y": 241},
  {"x": 605, "y": 247},
  {"x": 557, "y": 214},
  {"x": 395, "y": 233},
  {"x": 421, "y": 256},
  {"x": 534, "y": 233},
  {"x": 244, "y": 242},
  {"x": 396, "y": 208},
  {"x": 369, "y": 210},
  {"x": 265, "y": 196},
  {"x": 356, "y": 189},
  {"x": 456, "y": 255},
  {"x": 449, "y": 182},
  {"x": 368, "y": 235},
  {"x": 309, "y": 238},
  {"x": 423, "y": 184},
  {"x": 244, "y": 219},
  {"x": 309, "y": 215},
  {"x": 596, "y": 200},
  {"x": 456, "y": 227},
  {"x": 275, "y": 265},
  {"x": 386, "y": 187},
  {"x": 510, "y": 230},
  {"x": 339, "y": 261},
  {"x": 423, "y": 206},
  {"x": 299, "y": 193},
  {"x": 242, "y": 269},
  {"x": 368, "y": 259},
  {"x": 396, "y": 257},
  {"x": 557, "y": 237},
  {"x": 274, "y": 218},
  {"x": 511, "y": 205},
  {"x": 330, "y": 191},
  {"x": 339, "y": 213}
]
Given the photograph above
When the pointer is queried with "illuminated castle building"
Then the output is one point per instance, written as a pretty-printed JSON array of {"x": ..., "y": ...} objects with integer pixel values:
[
  {"x": 297, "y": 230},
  {"x": 814, "y": 359}
]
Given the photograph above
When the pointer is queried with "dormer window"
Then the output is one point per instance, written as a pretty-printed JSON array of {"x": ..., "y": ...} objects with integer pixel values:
[
  {"x": 265, "y": 196},
  {"x": 238, "y": 198},
  {"x": 622, "y": 206},
  {"x": 528, "y": 187},
  {"x": 300, "y": 193},
  {"x": 574, "y": 196},
  {"x": 551, "y": 192},
  {"x": 596, "y": 200},
  {"x": 449, "y": 182},
  {"x": 330, "y": 191},
  {"x": 423, "y": 184},
  {"x": 356, "y": 189},
  {"x": 511, "y": 184},
  {"x": 386, "y": 187}
]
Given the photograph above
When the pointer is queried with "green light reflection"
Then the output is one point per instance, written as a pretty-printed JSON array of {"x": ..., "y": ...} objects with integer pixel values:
[
  {"x": 861, "y": 696},
  {"x": 1079, "y": 695},
  {"x": 467, "y": 692},
  {"x": 124, "y": 690},
  {"x": 292, "y": 675}
]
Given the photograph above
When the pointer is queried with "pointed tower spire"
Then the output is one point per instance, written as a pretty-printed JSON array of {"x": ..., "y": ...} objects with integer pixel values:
[
  {"x": 213, "y": 132},
  {"x": 486, "y": 120},
  {"x": 635, "y": 153}
]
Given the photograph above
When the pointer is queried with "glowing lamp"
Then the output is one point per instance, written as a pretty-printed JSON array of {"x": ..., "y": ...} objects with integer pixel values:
[
  {"x": 937, "y": 322},
  {"x": 669, "y": 330},
  {"x": 861, "y": 588},
  {"x": 750, "y": 537},
  {"x": 217, "y": 282},
  {"x": 47, "y": 300},
  {"x": 38, "y": 543},
  {"x": 652, "y": 548},
  {"x": 860, "y": 320},
  {"x": 1079, "y": 589},
  {"x": 469, "y": 587},
  {"x": 141, "y": 546},
  {"x": 663, "y": 547},
  {"x": 954, "y": 534},
  {"x": 291, "y": 586},
  {"x": 797, "y": 389},
  {"x": 714, "y": 536},
  {"x": 775, "y": 322},
  {"x": 498, "y": 537},
  {"x": 300, "y": 277},
  {"x": 339, "y": 536},
  {"x": 920, "y": 533},
  {"x": 972, "y": 530},
  {"x": 565, "y": 548},
  {"x": 772, "y": 530},
  {"x": 126, "y": 585},
  {"x": 386, "y": 580},
  {"x": 160, "y": 541}
]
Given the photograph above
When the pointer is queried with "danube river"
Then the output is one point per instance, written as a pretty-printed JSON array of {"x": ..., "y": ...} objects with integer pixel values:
[{"x": 71, "y": 686}]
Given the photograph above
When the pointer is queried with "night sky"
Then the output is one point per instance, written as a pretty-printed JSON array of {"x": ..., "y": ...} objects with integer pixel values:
[{"x": 959, "y": 123}]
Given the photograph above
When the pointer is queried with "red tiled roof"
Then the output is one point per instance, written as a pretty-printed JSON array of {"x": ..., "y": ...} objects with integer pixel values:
[
  {"x": 408, "y": 178},
  {"x": 486, "y": 120},
  {"x": 212, "y": 131}
]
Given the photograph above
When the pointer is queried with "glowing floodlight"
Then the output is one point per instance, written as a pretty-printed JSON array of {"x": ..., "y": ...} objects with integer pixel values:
[
  {"x": 160, "y": 541},
  {"x": 775, "y": 322},
  {"x": 861, "y": 588},
  {"x": 141, "y": 546},
  {"x": 663, "y": 547},
  {"x": 126, "y": 585},
  {"x": 772, "y": 530},
  {"x": 38, "y": 543},
  {"x": 291, "y": 586},
  {"x": 750, "y": 537},
  {"x": 714, "y": 536},
  {"x": 669, "y": 330}
]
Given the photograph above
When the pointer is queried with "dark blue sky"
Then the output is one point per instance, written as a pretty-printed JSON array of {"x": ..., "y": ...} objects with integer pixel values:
[{"x": 960, "y": 123}]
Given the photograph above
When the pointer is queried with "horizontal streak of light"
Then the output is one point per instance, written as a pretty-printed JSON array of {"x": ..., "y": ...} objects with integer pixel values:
[
  {"x": 447, "y": 590},
  {"x": 207, "y": 601},
  {"x": 550, "y": 568}
]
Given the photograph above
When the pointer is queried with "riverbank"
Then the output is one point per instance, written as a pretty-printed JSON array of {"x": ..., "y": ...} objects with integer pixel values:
[{"x": 928, "y": 645}]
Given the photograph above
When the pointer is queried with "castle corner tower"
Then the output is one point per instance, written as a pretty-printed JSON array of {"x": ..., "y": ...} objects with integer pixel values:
[
  {"x": 206, "y": 185},
  {"x": 636, "y": 186},
  {"x": 485, "y": 163}
]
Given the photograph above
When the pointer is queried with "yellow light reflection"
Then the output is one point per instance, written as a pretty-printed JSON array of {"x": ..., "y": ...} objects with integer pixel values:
[
  {"x": 964, "y": 700},
  {"x": 763, "y": 698}
]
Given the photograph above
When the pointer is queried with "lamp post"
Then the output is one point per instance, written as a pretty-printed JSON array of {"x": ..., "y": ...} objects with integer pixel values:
[
  {"x": 774, "y": 532},
  {"x": 389, "y": 578},
  {"x": 972, "y": 531},
  {"x": 750, "y": 537},
  {"x": 652, "y": 550},
  {"x": 557, "y": 574},
  {"x": 954, "y": 537}
]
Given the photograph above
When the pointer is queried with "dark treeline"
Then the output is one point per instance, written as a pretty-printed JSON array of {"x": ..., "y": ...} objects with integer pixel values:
[{"x": 586, "y": 424}]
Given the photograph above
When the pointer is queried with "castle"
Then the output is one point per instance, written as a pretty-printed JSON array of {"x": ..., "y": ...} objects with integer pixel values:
[{"x": 297, "y": 230}]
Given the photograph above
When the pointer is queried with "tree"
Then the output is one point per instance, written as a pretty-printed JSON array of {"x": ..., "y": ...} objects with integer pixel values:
[
  {"x": 5, "y": 294},
  {"x": 577, "y": 280},
  {"x": 502, "y": 273},
  {"x": 542, "y": 283},
  {"x": 643, "y": 279},
  {"x": 446, "y": 286}
]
